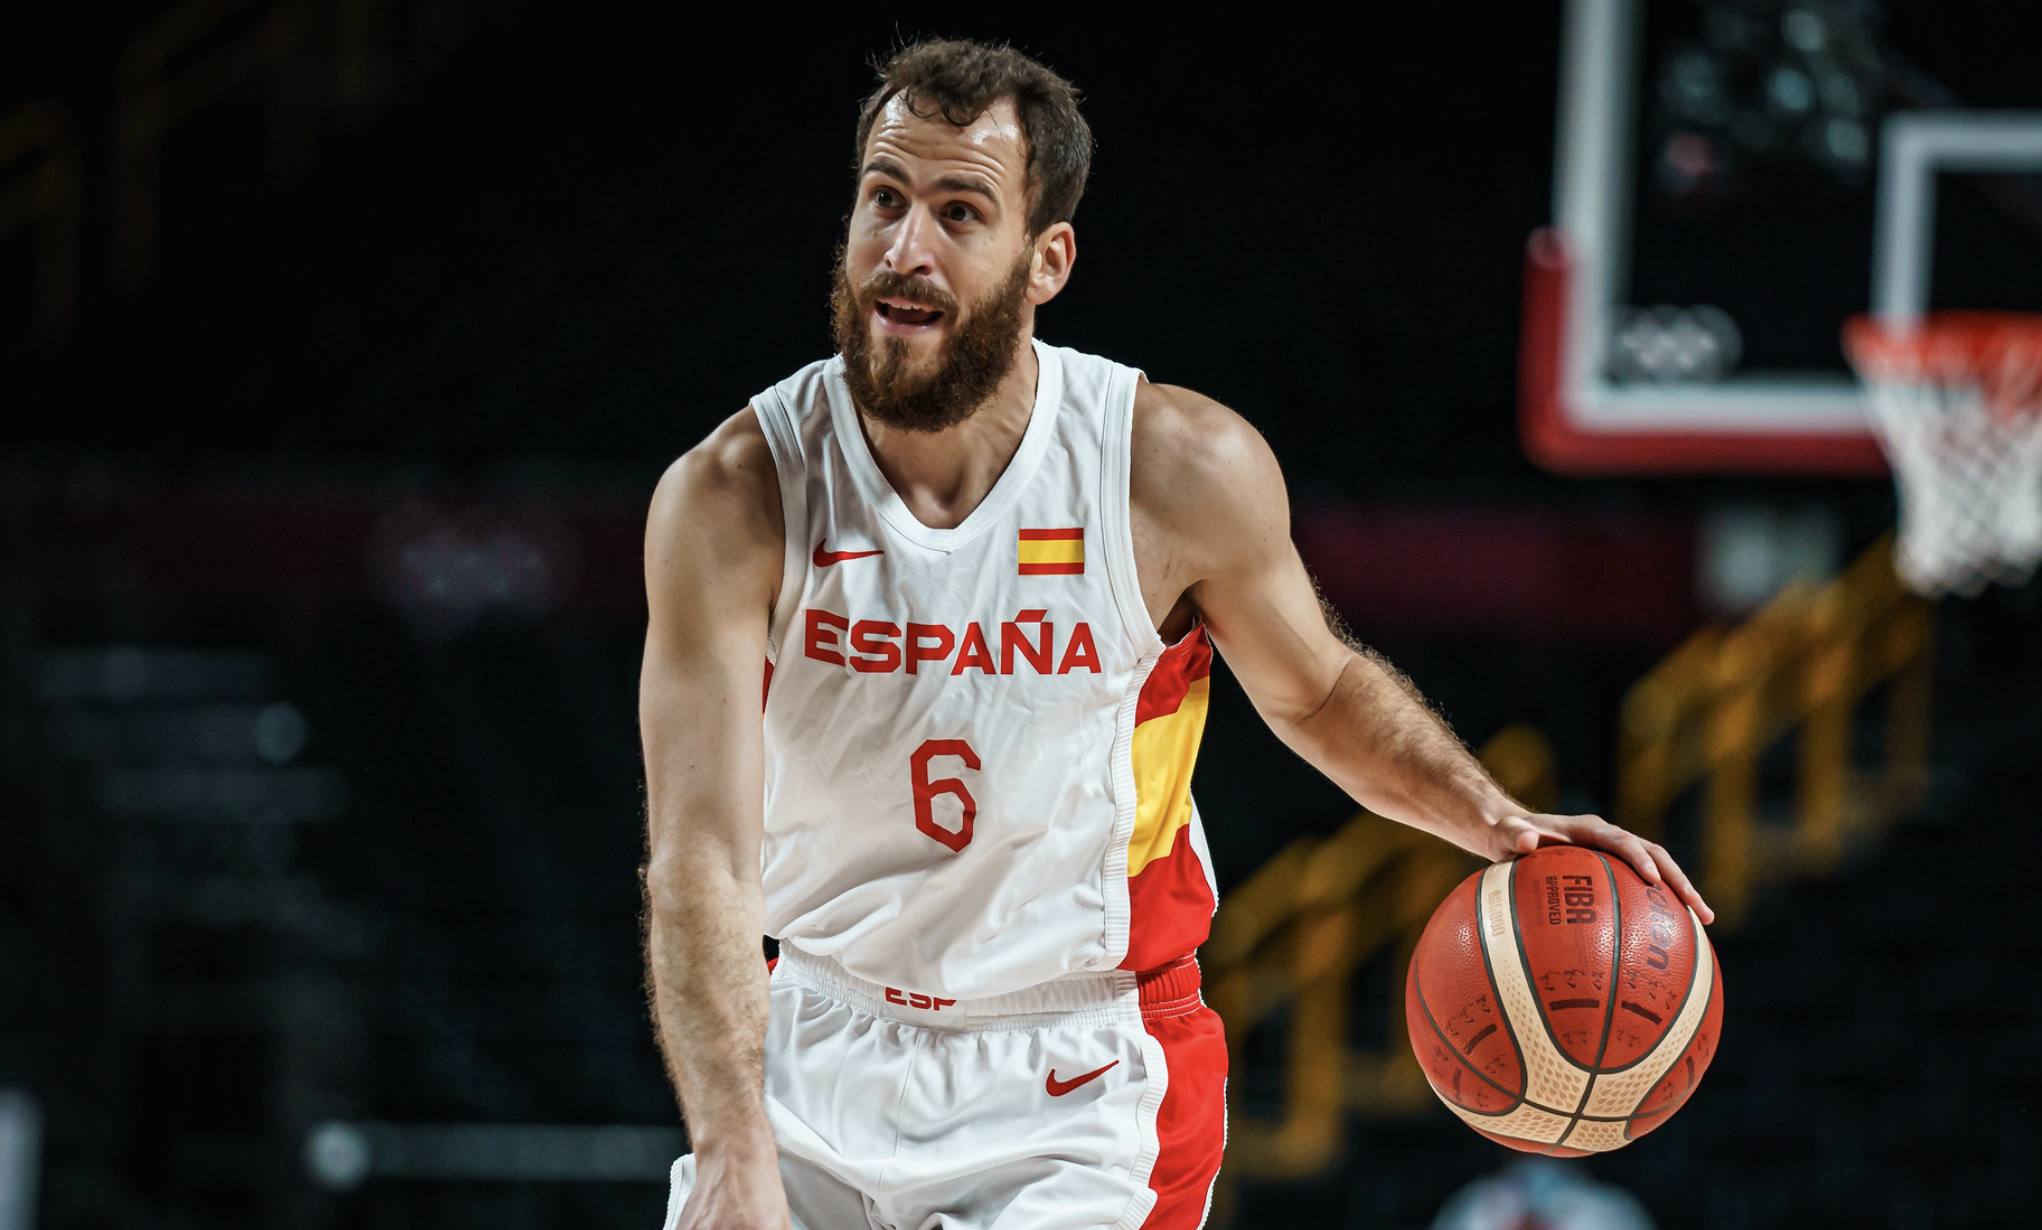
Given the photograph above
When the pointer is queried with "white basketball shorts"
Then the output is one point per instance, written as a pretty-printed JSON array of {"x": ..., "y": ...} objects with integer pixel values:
[{"x": 1096, "y": 1100}]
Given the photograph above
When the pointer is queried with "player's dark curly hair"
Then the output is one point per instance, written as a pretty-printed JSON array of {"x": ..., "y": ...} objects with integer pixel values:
[{"x": 959, "y": 80}]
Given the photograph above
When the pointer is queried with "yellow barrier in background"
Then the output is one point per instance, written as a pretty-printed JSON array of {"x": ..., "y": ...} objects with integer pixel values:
[
  {"x": 1706, "y": 715},
  {"x": 1293, "y": 934}
]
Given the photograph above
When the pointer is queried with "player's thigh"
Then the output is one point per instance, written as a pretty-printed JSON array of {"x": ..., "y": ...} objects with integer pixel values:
[
  {"x": 1063, "y": 1127},
  {"x": 832, "y": 1078},
  {"x": 1089, "y": 1178},
  {"x": 1037, "y": 1127},
  {"x": 817, "y": 1199}
]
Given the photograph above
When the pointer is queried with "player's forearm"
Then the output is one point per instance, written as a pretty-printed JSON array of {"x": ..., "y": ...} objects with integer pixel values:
[
  {"x": 710, "y": 995},
  {"x": 1377, "y": 740}
]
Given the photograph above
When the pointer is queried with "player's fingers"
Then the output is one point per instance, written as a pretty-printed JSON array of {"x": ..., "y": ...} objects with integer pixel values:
[
  {"x": 1632, "y": 848},
  {"x": 1682, "y": 886}
]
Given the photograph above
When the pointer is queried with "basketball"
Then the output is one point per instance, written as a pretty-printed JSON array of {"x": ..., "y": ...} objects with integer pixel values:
[{"x": 1561, "y": 1005}]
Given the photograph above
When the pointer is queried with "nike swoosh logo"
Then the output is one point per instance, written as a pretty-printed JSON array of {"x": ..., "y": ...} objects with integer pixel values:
[
  {"x": 824, "y": 559},
  {"x": 1059, "y": 1088}
]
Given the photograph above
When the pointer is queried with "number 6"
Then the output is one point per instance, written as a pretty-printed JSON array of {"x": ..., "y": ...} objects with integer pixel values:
[{"x": 926, "y": 790}]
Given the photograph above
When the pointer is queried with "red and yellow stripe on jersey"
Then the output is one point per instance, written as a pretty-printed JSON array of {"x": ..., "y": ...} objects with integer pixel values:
[
  {"x": 1051, "y": 552},
  {"x": 1170, "y": 900}
]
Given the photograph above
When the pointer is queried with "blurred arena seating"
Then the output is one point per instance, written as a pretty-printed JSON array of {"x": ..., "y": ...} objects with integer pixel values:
[{"x": 334, "y": 872}]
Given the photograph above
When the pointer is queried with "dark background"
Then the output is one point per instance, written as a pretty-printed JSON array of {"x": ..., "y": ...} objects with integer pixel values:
[
  {"x": 552, "y": 245},
  {"x": 590, "y": 234}
]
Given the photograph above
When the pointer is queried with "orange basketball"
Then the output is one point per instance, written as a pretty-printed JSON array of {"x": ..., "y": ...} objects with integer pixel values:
[{"x": 1561, "y": 1005}]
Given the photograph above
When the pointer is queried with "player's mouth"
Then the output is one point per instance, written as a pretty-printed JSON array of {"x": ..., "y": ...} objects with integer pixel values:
[{"x": 899, "y": 316}]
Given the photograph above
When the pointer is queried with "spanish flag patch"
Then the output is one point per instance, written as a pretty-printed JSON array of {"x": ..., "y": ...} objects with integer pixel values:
[{"x": 1051, "y": 552}]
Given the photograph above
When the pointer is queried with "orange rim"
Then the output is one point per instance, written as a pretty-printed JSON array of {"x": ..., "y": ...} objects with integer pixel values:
[{"x": 1999, "y": 352}]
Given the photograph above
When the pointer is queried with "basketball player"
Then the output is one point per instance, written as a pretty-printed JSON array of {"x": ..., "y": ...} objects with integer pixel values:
[{"x": 985, "y": 577}]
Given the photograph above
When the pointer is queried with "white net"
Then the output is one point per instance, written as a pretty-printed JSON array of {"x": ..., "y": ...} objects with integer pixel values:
[{"x": 1957, "y": 403}]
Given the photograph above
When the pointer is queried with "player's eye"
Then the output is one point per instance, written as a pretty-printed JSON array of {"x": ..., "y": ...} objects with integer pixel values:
[
  {"x": 957, "y": 211},
  {"x": 885, "y": 198}
]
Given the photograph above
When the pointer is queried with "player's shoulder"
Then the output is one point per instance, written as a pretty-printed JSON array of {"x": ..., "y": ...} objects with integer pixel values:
[
  {"x": 725, "y": 483},
  {"x": 1188, "y": 445},
  {"x": 729, "y": 461}
]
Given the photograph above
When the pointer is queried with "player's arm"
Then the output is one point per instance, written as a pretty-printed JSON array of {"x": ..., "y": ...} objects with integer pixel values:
[
  {"x": 712, "y": 564},
  {"x": 1209, "y": 501}
]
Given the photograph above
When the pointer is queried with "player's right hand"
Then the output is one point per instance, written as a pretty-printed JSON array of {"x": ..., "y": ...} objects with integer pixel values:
[
  {"x": 1520, "y": 833},
  {"x": 733, "y": 1193}
]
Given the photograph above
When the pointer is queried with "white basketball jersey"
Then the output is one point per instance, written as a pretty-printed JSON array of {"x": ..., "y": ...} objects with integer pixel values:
[{"x": 978, "y": 750}]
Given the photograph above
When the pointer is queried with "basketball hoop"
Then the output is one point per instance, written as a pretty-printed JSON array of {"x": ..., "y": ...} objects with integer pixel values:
[{"x": 1956, "y": 399}]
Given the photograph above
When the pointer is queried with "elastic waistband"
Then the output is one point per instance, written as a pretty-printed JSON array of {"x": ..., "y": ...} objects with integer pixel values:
[
  {"x": 1170, "y": 989},
  {"x": 1166, "y": 991}
]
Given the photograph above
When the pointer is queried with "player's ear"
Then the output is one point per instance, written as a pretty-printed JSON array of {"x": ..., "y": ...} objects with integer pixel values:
[{"x": 1056, "y": 250}]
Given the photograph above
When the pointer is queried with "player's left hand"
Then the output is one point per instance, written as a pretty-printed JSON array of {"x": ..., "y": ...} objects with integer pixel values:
[{"x": 1523, "y": 832}]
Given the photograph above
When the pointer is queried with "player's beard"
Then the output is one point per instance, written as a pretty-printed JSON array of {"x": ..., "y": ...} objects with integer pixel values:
[{"x": 980, "y": 350}]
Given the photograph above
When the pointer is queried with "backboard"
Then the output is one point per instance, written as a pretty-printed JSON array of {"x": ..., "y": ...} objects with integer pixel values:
[{"x": 1735, "y": 178}]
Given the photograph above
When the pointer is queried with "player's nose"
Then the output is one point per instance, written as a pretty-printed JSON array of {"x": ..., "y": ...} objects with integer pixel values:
[{"x": 912, "y": 253}]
